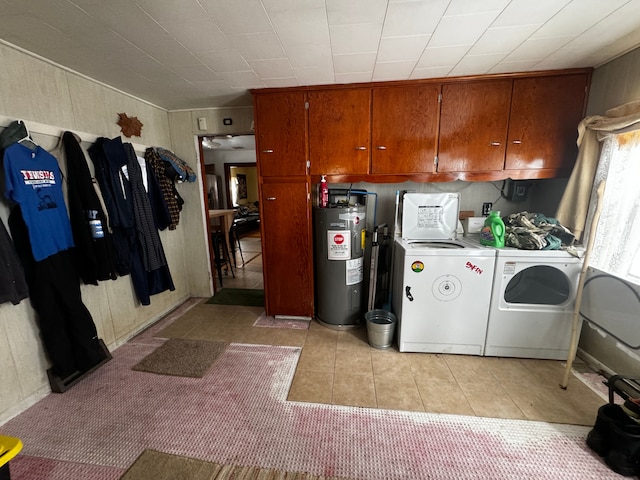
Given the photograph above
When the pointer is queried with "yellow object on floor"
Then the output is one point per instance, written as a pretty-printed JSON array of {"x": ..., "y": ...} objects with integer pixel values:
[{"x": 9, "y": 448}]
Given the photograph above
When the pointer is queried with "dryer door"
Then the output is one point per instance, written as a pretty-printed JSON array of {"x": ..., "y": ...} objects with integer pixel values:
[{"x": 538, "y": 285}]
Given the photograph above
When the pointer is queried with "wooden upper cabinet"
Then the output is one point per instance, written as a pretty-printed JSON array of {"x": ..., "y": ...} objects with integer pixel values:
[
  {"x": 280, "y": 134},
  {"x": 473, "y": 126},
  {"x": 339, "y": 131},
  {"x": 404, "y": 129},
  {"x": 545, "y": 113}
]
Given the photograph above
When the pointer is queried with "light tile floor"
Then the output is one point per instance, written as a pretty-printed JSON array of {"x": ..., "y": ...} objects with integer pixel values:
[
  {"x": 340, "y": 368},
  {"x": 247, "y": 271}
]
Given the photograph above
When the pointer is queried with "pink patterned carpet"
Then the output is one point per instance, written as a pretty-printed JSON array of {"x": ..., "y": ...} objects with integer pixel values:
[
  {"x": 266, "y": 321},
  {"x": 238, "y": 413}
]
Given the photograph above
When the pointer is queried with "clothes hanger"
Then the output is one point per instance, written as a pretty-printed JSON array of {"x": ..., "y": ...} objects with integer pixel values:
[{"x": 28, "y": 138}]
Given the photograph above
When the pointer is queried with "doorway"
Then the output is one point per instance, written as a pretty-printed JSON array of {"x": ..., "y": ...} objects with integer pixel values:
[
  {"x": 241, "y": 180},
  {"x": 229, "y": 182}
]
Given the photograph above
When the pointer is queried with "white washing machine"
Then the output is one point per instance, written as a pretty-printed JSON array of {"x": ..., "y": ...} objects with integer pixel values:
[
  {"x": 442, "y": 284},
  {"x": 532, "y": 303}
]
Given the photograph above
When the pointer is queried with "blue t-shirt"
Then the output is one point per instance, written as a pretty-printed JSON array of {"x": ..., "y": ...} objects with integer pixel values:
[{"x": 34, "y": 181}]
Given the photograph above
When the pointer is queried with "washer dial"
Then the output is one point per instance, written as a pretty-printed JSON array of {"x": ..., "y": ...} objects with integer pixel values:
[{"x": 446, "y": 288}]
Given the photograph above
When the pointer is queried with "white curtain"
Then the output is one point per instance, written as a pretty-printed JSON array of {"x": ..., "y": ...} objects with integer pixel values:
[
  {"x": 575, "y": 203},
  {"x": 616, "y": 248}
]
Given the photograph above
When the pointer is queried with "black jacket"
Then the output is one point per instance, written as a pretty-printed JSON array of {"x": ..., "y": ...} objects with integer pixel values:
[
  {"x": 93, "y": 240},
  {"x": 13, "y": 286}
]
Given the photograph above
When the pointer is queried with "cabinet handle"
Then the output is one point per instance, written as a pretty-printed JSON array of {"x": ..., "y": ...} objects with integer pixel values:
[
  {"x": 361, "y": 148},
  {"x": 271, "y": 198},
  {"x": 495, "y": 144},
  {"x": 517, "y": 142},
  {"x": 267, "y": 151},
  {"x": 381, "y": 147}
]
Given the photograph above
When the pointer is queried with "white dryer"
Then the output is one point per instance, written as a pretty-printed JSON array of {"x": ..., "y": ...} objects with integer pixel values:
[
  {"x": 532, "y": 303},
  {"x": 441, "y": 284}
]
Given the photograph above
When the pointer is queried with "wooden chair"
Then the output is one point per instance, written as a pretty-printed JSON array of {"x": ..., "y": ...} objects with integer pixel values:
[
  {"x": 234, "y": 241},
  {"x": 221, "y": 253}
]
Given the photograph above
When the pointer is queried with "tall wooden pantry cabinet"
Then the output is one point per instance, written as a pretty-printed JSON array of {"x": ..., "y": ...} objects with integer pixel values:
[{"x": 285, "y": 203}]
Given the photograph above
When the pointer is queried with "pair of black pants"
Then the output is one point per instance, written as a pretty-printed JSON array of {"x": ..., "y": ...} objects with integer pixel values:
[
  {"x": 66, "y": 326},
  {"x": 67, "y": 329}
]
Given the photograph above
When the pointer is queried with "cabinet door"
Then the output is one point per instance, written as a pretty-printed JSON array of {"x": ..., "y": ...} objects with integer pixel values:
[
  {"x": 280, "y": 134},
  {"x": 404, "y": 129},
  {"x": 473, "y": 126},
  {"x": 339, "y": 131},
  {"x": 545, "y": 113},
  {"x": 287, "y": 249}
]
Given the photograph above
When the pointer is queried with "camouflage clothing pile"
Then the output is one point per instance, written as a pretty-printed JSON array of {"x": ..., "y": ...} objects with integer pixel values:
[{"x": 534, "y": 231}]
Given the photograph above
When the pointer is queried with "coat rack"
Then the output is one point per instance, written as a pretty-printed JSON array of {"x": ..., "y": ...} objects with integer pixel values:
[{"x": 44, "y": 129}]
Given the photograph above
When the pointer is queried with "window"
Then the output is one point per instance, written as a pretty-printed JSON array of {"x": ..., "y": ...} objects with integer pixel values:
[{"x": 616, "y": 248}]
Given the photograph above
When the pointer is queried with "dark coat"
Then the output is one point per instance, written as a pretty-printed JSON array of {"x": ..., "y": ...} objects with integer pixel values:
[
  {"x": 108, "y": 157},
  {"x": 13, "y": 286},
  {"x": 91, "y": 235}
]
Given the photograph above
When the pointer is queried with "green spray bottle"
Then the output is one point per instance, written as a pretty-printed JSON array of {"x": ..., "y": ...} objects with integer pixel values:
[{"x": 492, "y": 233}]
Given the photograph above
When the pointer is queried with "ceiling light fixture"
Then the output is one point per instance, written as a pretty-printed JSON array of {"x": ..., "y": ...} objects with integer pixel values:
[{"x": 208, "y": 142}]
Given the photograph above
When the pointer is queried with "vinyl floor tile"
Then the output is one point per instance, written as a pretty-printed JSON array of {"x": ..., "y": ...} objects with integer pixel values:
[
  {"x": 398, "y": 392},
  {"x": 490, "y": 400},
  {"x": 357, "y": 361},
  {"x": 312, "y": 386},
  {"x": 354, "y": 389},
  {"x": 389, "y": 363},
  {"x": 430, "y": 366},
  {"x": 443, "y": 396},
  {"x": 318, "y": 359}
]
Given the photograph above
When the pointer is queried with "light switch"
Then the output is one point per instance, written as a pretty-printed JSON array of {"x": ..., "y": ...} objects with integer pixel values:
[{"x": 202, "y": 123}]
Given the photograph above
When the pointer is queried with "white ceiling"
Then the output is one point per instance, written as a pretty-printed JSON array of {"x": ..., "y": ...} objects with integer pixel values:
[{"x": 184, "y": 54}]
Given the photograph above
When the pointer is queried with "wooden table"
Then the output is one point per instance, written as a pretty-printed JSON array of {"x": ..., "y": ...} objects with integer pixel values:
[{"x": 226, "y": 216}]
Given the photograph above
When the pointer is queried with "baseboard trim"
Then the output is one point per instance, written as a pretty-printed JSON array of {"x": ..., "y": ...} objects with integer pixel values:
[
  {"x": 24, "y": 404},
  {"x": 594, "y": 363}
]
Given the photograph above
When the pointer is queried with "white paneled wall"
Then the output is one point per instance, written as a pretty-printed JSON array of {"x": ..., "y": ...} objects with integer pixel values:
[
  {"x": 615, "y": 83},
  {"x": 57, "y": 100}
]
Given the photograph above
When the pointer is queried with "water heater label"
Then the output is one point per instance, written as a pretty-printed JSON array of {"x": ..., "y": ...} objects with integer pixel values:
[
  {"x": 339, "y": 242},
  {"x": 355, "y": 271},
  {"x": 354, "y": 217}
]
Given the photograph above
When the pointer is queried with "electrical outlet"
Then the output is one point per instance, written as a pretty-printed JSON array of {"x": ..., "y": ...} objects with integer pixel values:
[{"x": 486, "y": 208}]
